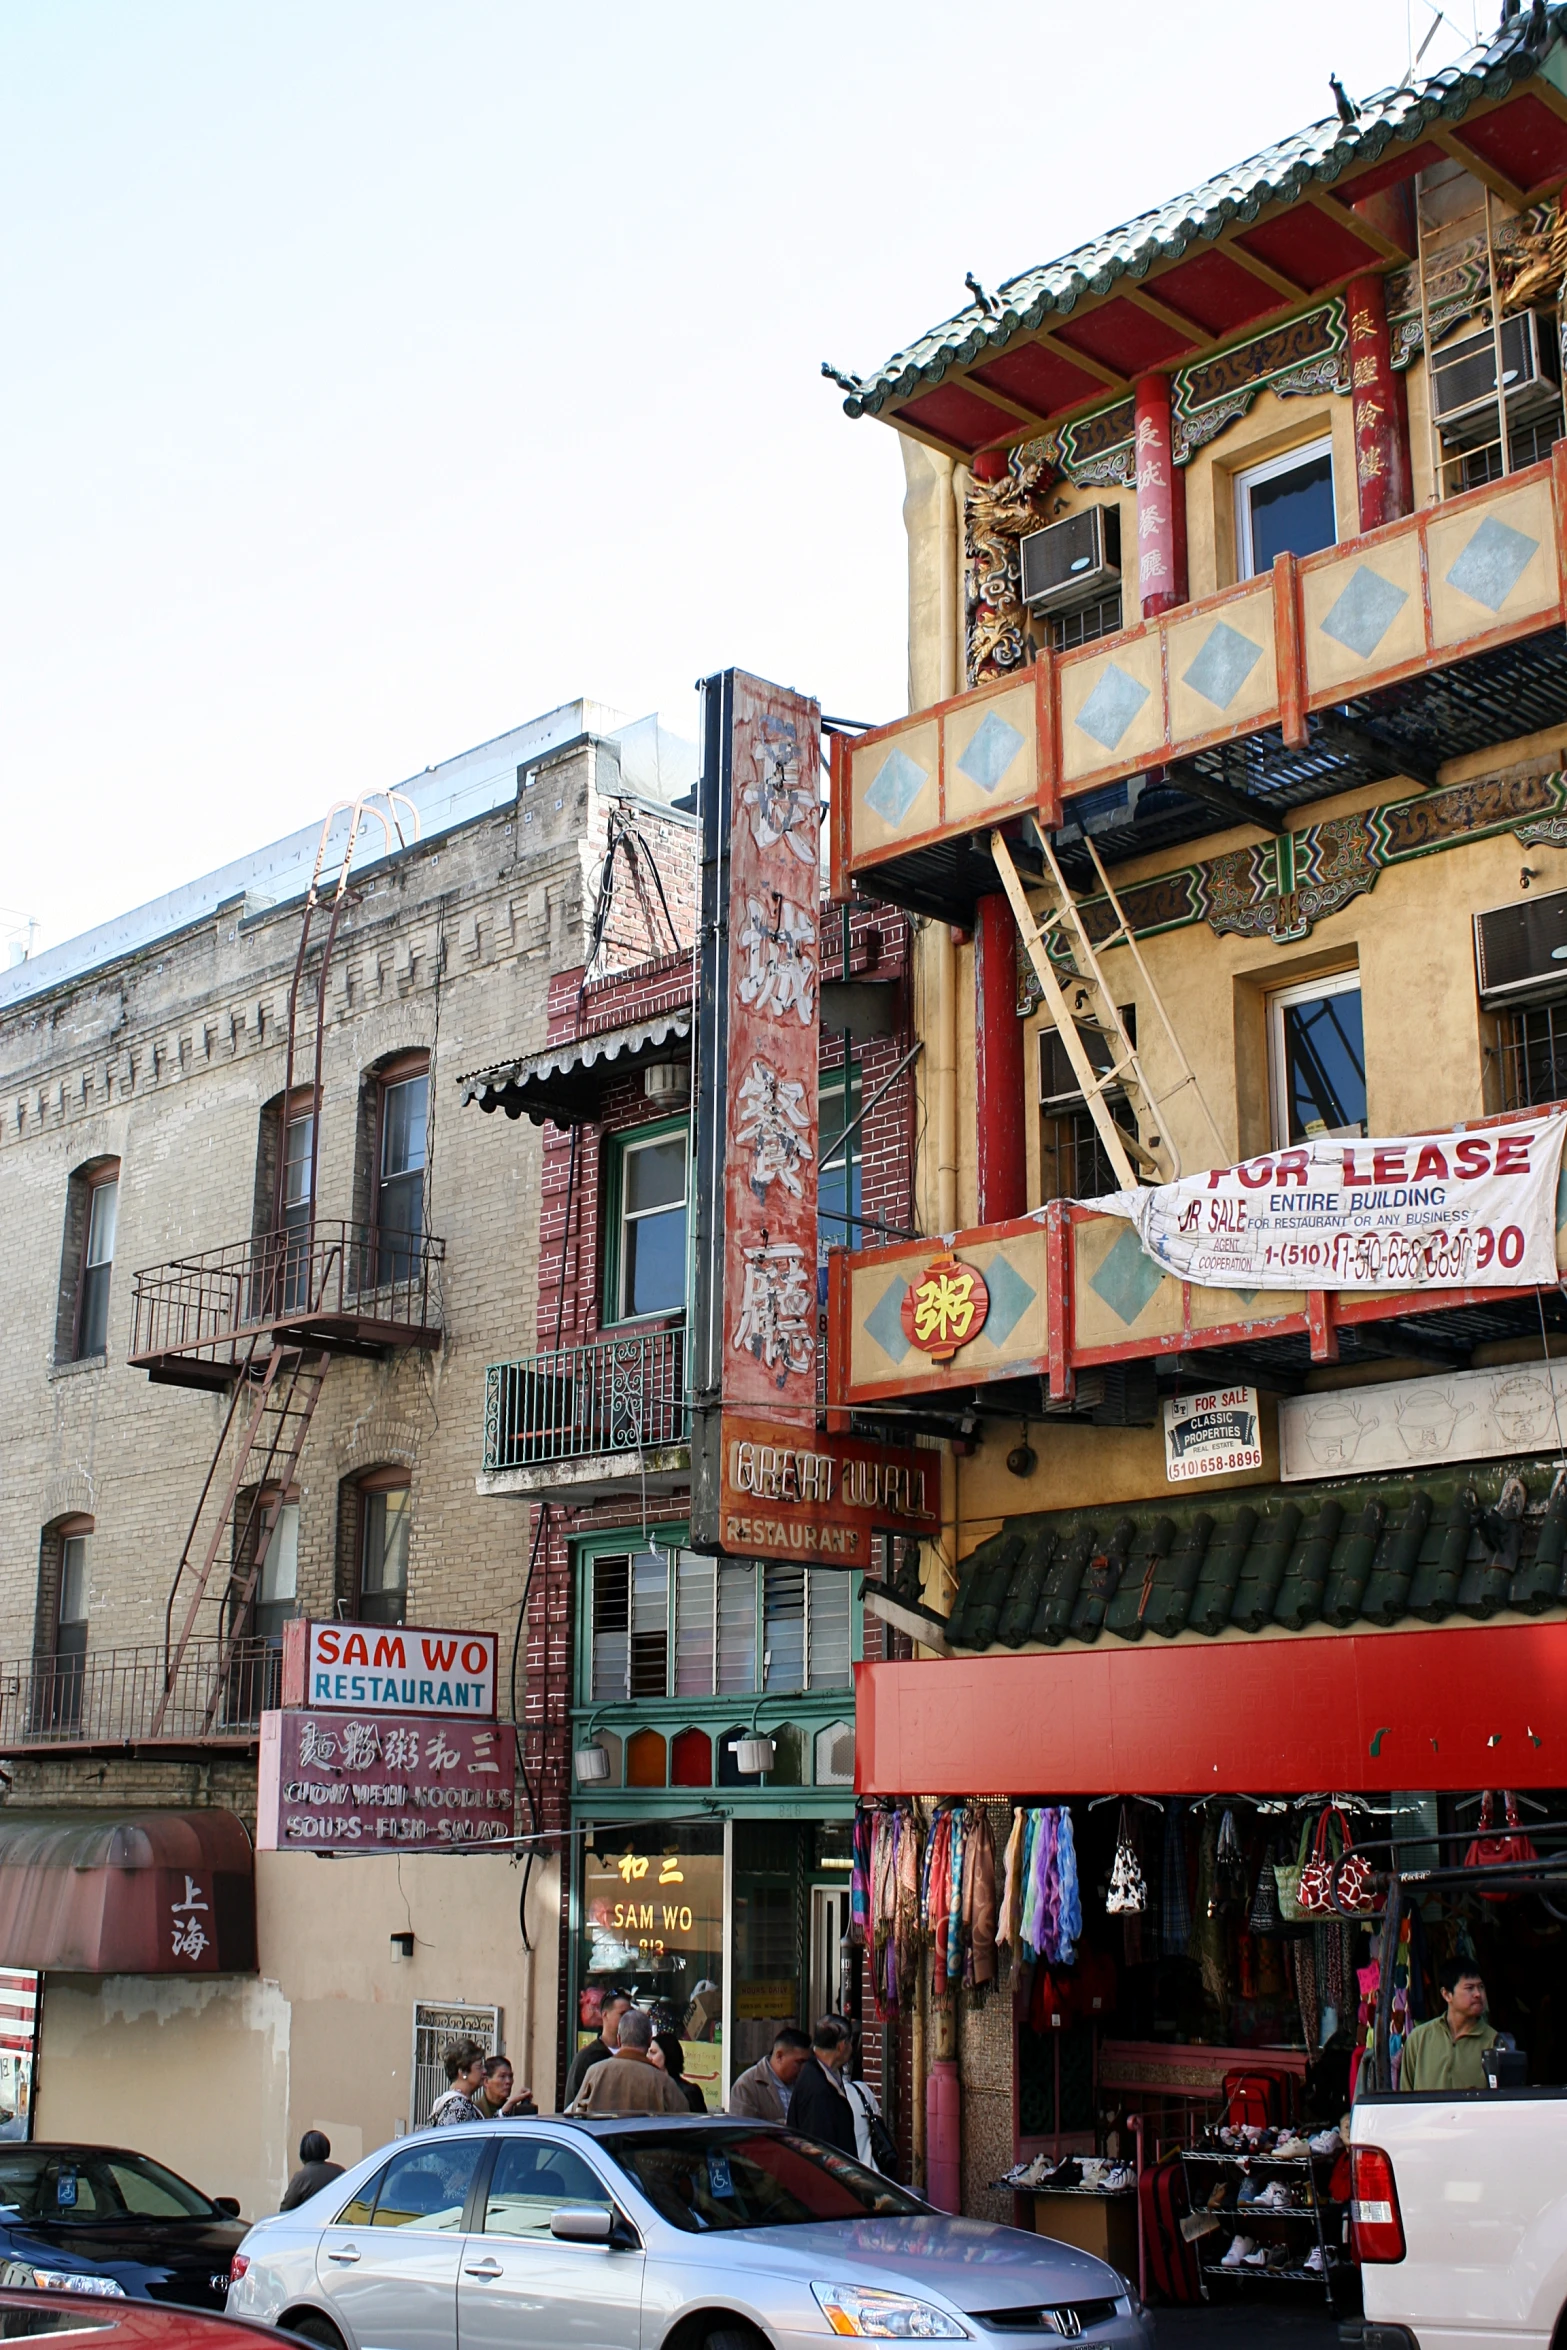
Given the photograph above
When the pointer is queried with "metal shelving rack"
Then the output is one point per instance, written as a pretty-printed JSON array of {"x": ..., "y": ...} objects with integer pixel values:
[{"x": 1201, "y": 2165}]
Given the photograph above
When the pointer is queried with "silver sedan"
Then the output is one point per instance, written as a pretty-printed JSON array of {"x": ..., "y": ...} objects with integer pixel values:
[{"x": 654, "y": 2234}]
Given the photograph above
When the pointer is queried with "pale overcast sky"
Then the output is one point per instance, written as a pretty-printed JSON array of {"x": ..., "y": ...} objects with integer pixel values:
[{"x": 379, "y": 375}]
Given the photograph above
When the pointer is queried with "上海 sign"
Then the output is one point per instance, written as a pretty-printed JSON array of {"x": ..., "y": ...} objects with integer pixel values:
[
  {"x": 792, "y": 1495},
  {"x": 406, "y": 1668},
  {"x": 1423, "y": 1211},
  {"x": 1211, "y": 1435},
  {"x": 379, "y": 1782}
]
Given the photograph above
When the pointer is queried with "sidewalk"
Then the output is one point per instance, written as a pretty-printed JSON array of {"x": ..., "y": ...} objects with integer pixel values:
[{"x": 1293, "y": 2328}]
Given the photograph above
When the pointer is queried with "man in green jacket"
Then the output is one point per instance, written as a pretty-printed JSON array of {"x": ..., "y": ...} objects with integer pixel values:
[{"x": 1449, "y": 2051}]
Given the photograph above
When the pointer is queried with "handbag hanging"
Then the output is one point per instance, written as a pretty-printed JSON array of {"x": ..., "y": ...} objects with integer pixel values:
[
  {"x": 1288, "y": 1874},
  {"x": 1354, "y": 1872},
  {"x": 1229, "y": 1870},
  {"x": 1128, "y": 1894},
  {"x": 1265, "y": 1916},
  {"x": 1490, "y": 1851}
]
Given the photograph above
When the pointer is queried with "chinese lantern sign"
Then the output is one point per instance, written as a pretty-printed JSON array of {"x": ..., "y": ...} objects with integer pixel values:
[{"x": 945, "y": 1307}]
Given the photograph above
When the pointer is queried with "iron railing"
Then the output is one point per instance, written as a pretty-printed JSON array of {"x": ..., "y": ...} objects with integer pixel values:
[
  {"x": 217, "y": 1693},
  {"x": 619, "y": 1394},
  {"x": 350, "y": 1276}
]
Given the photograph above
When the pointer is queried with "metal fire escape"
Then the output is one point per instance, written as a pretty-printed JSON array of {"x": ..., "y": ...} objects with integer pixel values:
[{"x": 276, "y": 1380}]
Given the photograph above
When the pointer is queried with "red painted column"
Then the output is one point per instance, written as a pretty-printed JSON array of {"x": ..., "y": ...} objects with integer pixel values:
[
  {"x": 998, "y": 1037},
  {"x": 1382, "y": 471},
  {"x": 944, "y": 2135},
  {"x": 1161, "y": 502}
]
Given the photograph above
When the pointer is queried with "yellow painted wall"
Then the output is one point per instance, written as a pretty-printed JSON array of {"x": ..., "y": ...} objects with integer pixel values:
[{"x": 221, "y": 2079}]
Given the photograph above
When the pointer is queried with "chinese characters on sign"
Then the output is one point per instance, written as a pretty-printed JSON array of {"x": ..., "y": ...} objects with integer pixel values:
[
  {"x": 1211, "y": 1435},
  {"x": 190, "y": 1920},
  {"x": 332, "y": 1782},
  {"x": 944, "y": 1307}
]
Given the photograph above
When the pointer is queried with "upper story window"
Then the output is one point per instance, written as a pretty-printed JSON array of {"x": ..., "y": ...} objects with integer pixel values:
[
  {"x": 838, "y": 1185},
  {"x": 374, "y": 1532},
  {"x": 1285, "y": 507},
  {"x": 678, "y": 1624},
  {"x": 649, "y": 1184},
  {"x": 402, "y": 1145},
  {"x": 1533, "y": 1047},
  {"x": 298, "y": 1137},
  {"x": 1074, "y": 1163},
  {"x": 278, "y": 1583},
  {"x": 1317, "y": 1059},
  {"x": 98, "y": 1215}
]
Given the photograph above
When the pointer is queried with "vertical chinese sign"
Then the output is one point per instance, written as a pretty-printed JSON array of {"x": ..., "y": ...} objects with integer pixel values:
[{"x": 755, "y": 1335}]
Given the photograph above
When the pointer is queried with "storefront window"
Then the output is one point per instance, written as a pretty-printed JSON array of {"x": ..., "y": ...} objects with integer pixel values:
[{"x": 653, "y": 1919}]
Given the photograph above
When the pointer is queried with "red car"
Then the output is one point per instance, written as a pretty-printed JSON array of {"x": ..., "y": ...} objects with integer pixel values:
[{"x": 90, "y": 2321}]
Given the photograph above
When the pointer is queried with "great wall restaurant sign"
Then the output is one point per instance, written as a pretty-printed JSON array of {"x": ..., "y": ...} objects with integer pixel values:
[
  {"x": 409, "y": 1668},
  {"x": 796, "y": 1496},
  {"x": 1423, "y": 1211},
  {"x": 379, "y": 1782}
]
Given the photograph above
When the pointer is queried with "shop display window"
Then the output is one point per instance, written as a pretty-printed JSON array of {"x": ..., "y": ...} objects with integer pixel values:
[{"x": 652, "y": 1917}]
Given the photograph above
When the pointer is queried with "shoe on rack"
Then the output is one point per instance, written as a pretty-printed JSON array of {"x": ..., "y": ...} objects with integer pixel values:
[
  {"x": 1313, "y": 2260},
  {"x": 1280, "y": 2256},
  {"x": 1117, "y": 2179},
  {"x": 1291, "y": 2149},
  {"x": 1328, "y": 2142},
  {"x": 1221, "y": 2194},
  {"x": 1258, "y": 2257},
  {"x": 1240, "y": 2251},
  {"x": 1251, "y": 2192}
]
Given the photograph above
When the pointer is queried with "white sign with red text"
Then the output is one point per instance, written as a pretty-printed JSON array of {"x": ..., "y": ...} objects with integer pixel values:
[
  {"x": 399, "y": 1667},
  {"x": 1423, "y": 1211}
]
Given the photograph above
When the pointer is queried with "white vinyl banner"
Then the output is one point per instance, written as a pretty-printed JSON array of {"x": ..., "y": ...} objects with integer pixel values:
[{"x": 1426, "y": 1211}]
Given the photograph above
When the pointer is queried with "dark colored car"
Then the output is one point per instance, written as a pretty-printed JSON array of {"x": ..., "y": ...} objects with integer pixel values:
[{"x": 97, "y": 2219}]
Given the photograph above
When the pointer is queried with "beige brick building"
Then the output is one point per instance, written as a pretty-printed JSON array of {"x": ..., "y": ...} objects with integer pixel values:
[{"x": 142, "y": 1108}]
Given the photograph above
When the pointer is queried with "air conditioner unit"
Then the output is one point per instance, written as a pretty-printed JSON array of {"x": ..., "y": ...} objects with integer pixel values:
[
  {"x": 1073, "y": 562},
  {"x": 1521, "y": 951},
  {"x": 1463, "y": 377}
]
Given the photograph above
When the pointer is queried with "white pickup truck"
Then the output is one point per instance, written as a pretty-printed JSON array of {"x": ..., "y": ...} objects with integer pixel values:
[{"x": 1459, "y": 2215}]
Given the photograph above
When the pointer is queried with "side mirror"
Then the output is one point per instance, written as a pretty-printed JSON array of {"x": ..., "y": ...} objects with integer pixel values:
[
  {"x": 582, "y": 2223},
  {"x": 227, "y": 2204}
]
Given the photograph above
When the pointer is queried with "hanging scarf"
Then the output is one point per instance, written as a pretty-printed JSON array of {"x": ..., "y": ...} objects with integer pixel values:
[
  {"x": 1175, "y": 1922},
  {"x": 1011, "y": 1913},
  {"x": 979, "y": 1900},
  {"x": 1069, "y": 1905},
  {"x": 954, "y": 1917},
  {"x": 860, "y": 1879}
]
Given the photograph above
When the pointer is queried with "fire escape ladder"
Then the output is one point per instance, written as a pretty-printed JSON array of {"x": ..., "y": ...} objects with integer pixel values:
[
  {"x": 1447, "y": 242},
  {"x": 1080, "y": 1000},
  {"x": 282, "y": 1398}
]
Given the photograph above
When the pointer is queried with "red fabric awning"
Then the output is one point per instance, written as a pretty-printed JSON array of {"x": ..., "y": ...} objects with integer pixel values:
[
  {"x": 1471, "y": 1707},
  {"x": 127, "y": 1892}
]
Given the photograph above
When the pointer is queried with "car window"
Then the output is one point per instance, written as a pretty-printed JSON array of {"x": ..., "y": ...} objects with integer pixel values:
[
  {"x": 70, "y": 2192},
  {"x": 148, "y": 2191},
  {"x": 428, "y": 2186},
  {"x": 21, "y": 2176},
  {"x": 532, "y": 2178},
  {"x": 359, "y": 2213},
  {"x": 714, "y": 2179}
]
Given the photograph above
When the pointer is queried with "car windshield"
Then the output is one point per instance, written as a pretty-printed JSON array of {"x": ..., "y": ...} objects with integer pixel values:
[
  {"x": 701, "y": 2180},
  {"x": 90, "y": 2183}
]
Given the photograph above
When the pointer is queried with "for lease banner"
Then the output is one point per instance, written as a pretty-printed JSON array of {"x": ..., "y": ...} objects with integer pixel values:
[{"x": 1422, "y": 1211}]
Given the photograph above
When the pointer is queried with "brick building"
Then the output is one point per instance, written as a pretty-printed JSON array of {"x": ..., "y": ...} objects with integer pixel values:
[{"x": 143, "y": 1078}]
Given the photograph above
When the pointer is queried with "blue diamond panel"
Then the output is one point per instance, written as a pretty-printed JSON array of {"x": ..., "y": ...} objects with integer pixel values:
[
  {"x": 1127, "y": 1279},
  {"x": 884, "y": 1322},
  {"x": 1111, "y": 707},
  {"x": 896, "y": 786},
  {"x": 991, "y": 753},
  {"x": 1364, "y": 611},
  {"x": 1223, "y": 665},
  {"x": 1493, "y": 563},
  {"x": 1010, "y": 1299}
]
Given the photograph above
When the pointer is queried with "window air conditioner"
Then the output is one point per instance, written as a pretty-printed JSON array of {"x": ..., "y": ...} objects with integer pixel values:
[
  {"x": 1521, "y": 951},
  {"x": 1463, "y": 377},
  {"x": 1073, "y": 562}
]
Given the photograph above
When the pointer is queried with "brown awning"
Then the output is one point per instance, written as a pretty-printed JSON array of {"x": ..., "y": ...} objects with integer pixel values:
[{"x": 127, "y": 1892}]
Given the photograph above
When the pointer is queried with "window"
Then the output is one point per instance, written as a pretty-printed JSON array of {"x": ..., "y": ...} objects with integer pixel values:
[
  {"x": 703, "y": 1637},
  {"x": 838, "y": 1182},
  {"x": 102, "y": 1211},
  {"x": 400, "y": 1163},
  {"x": 648, "y": 1275},
  {"x": 1285, "y": 507},
  {"x": 426, "y": 2187},
  {"x": 298, "y": 1136},
  {"x": 1533, "y": 1048},
  {"x": 531, "y": 2180},
  {"x": 1318, "y": 1060},
  {"x": 278, "y": 1583},
  {"x": 61, "y": 1633},
  {"x": 1074, "y": 1163},
  {"x": 384, "y": 1520}
]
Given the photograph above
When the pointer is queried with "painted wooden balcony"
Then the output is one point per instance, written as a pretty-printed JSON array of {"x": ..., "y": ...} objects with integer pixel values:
[
  {"x": 1073, "y": 1296},
  {"x": 1389, "y": 654}
]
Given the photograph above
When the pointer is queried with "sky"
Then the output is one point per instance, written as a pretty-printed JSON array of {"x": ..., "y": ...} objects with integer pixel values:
[{"x": 380, "y": 375}]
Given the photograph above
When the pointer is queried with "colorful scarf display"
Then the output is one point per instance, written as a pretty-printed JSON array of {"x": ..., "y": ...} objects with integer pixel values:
[{"x": 1041, "y": 1901}]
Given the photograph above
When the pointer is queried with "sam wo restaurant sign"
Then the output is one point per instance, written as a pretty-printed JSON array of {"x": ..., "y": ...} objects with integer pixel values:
[
  {"x": 786, "y": 1494},
  {"x": 336, "y": 1782},
  {"x": 407, "y": 1668}
]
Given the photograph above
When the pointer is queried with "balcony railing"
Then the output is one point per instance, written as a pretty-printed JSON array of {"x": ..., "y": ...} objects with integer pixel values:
[
  {"x": 339, "y": 1284},
  {"x": 112, "y": 1697},
  {"x": 619, "y": 1394}
]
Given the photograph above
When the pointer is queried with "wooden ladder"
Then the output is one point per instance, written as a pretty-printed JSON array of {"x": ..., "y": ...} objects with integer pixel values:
[{"x": 1146, "y": 1154}]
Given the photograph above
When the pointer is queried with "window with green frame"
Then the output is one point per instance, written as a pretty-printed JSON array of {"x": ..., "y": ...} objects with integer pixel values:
[
  {"x": 838, "y": 1167},
  {"x": 646, "y": 1198},
  {"x": 674, "y": 1623}
]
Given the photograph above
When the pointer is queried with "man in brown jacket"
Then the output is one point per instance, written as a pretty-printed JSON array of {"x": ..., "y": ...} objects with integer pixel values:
[
  {"x": 762, "y": 2093},
  {"x": 628, "y": 2082}
]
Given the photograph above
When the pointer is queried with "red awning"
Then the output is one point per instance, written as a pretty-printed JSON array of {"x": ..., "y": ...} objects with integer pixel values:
[
  {"x": 1368, "y": 1711},
  {"x": 127, "y": 1892}
]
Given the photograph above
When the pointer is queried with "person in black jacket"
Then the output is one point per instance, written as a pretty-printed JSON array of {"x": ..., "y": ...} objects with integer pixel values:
[
  {"x": 316, "y": 2170},
  {"x": 819, "y": 2107}
]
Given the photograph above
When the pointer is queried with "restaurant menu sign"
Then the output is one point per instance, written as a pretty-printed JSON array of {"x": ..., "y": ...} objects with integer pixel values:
[
  {"x": 410, "y": 1668},
  {"x": 790, "y": 1495},
  {"x": 1423, "y": 1211},
  {"x": 1211, "y": 1435},
  {"x": 383, "y": 1782}
]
